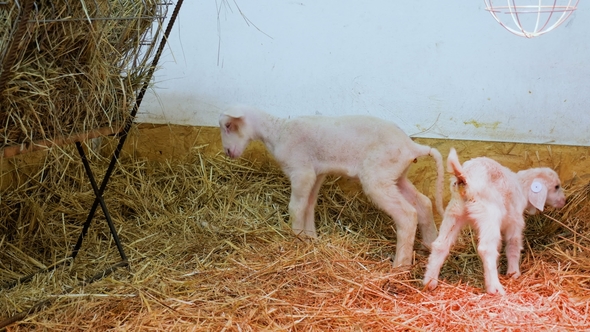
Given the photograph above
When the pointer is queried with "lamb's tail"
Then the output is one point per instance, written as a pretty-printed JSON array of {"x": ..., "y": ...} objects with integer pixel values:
[
  {"x": 454, "y": 167},
  {"x": 440, "y": 178}
]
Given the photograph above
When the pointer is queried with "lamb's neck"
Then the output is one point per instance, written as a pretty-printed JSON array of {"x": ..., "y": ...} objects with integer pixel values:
[{"x": 268, "y": 129}]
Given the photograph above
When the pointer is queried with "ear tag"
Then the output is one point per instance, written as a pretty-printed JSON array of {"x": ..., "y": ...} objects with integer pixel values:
[{"x": 536, "y": 187}]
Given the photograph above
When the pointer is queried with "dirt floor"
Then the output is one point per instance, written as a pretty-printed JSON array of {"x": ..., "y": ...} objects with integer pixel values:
[{"x": 210, "y": 248}]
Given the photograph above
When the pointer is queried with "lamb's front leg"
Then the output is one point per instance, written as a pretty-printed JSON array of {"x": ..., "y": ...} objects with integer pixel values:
[
  {"x": 309, "y": 226},
  {"x": 302, "y": 184}
]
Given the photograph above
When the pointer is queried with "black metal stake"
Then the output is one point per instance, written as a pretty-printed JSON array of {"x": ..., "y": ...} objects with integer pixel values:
[{"x": 98, "y": 193}]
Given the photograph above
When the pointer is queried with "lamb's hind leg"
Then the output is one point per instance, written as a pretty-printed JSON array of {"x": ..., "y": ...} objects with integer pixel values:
[
  {"x": 302, "y": 184},
  {"x": 513, "y": 237},
  {"x": 386, "y": 195},
  {"x": 423, "y": 207},
  {"x": 488, "y": 221}
]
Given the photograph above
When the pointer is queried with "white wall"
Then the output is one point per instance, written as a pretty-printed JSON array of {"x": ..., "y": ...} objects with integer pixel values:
[{"x": 442, "y": 69}]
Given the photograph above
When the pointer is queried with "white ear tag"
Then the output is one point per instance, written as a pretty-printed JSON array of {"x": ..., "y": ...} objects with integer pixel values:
[{"x": 536, "y": 187}]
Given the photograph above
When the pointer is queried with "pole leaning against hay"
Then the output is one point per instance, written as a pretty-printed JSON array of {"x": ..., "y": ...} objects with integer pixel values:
[{"x": 376, "y": 152}]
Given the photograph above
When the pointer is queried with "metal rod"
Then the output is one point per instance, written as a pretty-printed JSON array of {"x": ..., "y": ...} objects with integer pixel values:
[
  {"x": 84, "y": 229},
  {"x": 163, "y": 42},
  {"x": 98, "y": 193},
  {"x": 92, "y": 19}
]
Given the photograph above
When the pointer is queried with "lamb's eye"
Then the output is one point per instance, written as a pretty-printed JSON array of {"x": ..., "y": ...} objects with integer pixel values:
[{"x": 557, "y": 187}]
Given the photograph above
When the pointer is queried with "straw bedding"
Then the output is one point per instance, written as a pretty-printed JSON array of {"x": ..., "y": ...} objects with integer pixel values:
[
  {"x": 211, "y": 250},
  {"x": 76, "y": 68}
]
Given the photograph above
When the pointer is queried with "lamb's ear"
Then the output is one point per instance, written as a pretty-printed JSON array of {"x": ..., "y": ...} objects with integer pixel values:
[
  {"x": 231, "y": 123},
  {"x": 538, "y": 194}
]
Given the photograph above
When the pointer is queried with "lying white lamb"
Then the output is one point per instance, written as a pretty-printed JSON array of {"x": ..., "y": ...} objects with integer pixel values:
[
  {"x": 492, "y": 199},
  {"x": 375, "y": 151}
]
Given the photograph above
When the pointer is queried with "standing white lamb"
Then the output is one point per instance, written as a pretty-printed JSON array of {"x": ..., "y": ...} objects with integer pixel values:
[
  {"x": 492, "y": 199},
  {"x": 376, "y": 152}
]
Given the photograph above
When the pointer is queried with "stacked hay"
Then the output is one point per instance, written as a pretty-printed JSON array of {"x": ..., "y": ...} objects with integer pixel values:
[
  {"x": 211, "y": 250},
  {"x": 76, "y": 67}
]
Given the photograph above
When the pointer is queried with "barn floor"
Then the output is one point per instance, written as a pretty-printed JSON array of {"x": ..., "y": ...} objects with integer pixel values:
[{"x": 210, "y": 249}]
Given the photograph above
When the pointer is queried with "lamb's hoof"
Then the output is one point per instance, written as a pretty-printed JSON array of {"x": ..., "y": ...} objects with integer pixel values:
[
  {"x": 496, "y": 290},
  {"x": 430, "y": 283},
  {"x": 306, "y": 236}
]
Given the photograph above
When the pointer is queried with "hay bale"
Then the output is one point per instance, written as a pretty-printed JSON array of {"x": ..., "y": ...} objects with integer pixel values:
[{"x": 76, "y": 68}]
